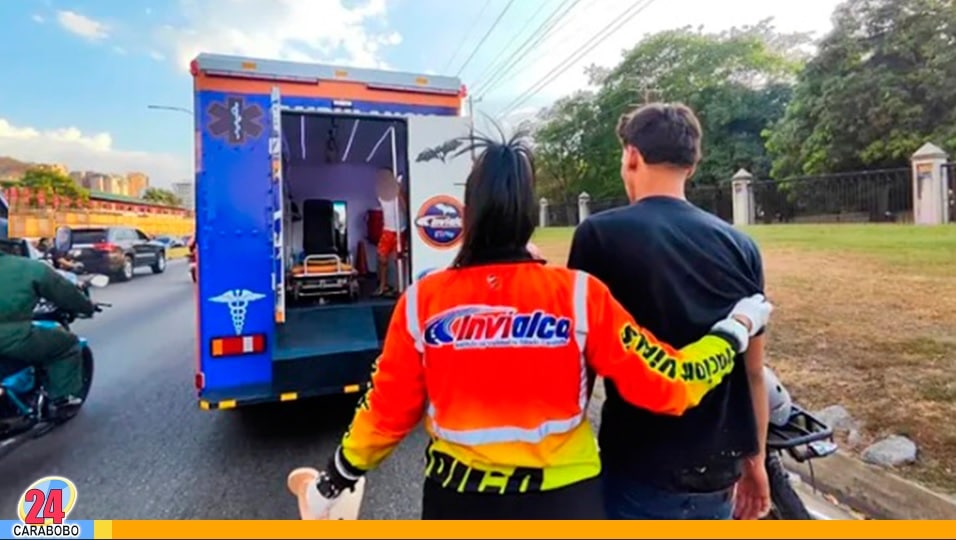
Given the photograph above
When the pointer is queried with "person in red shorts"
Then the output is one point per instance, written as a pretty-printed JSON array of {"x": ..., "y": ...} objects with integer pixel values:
[{"x": 389, "y": 194}]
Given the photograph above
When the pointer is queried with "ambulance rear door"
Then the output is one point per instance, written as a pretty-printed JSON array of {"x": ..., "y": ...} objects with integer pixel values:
[{"x": 437, "y": 169}]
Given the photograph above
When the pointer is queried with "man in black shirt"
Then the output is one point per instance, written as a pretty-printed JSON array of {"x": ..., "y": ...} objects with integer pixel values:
[{"x": 676, "y": 268}]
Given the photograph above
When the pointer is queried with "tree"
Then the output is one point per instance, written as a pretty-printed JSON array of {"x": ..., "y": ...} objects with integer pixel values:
[
  {"x": 559, "y": 147},
  {"x": 738, "y": 82},
  {"x": 52, "y": 183},
  {"x": 161, "y": 196},
  {"x": 882, "y": 84},
  {"x": 735, "y": 81}
]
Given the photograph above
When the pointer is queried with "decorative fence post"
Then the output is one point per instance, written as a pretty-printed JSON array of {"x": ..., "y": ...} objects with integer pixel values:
[
  {"x": 743, "y": 197},
  {"x": 930, "y": 189},
  {"x": 543, "y": 212},
  {"x": 584, "y": 206}
]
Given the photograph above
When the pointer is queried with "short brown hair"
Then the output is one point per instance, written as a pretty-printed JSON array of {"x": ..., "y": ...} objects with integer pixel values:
[{"x": 664, "y": 133}]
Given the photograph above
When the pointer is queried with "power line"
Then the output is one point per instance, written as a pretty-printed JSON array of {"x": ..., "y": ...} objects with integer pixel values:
[
  {"x": 485, "y": 37},
  {"x": 502, "y": 58},
  {"x": 539, "y": 51},
  {"x": 466, "y": 36},
  {"x": 598, "y": 38},
  {"x": 533, "y": 40},
  {"x": 607, "y": 31}
]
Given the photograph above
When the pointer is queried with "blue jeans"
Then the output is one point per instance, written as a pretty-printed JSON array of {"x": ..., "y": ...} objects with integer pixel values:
[{"x": 627, "y": 499}]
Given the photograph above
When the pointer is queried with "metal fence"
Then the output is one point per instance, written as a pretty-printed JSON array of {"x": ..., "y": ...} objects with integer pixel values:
[
  {"x": 714, "y": 199},
  {"x": 869, "y": 196},
  {"x": 949, "y": 178}
]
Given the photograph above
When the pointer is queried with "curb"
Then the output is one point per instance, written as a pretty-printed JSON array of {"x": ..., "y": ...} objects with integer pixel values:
[{"x": 872, "y": 490}]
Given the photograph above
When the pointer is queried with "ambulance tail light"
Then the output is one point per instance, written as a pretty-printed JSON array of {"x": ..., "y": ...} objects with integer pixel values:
[
  {"x": 200, "y": 380},
  {"x": 238, "y": 345}
]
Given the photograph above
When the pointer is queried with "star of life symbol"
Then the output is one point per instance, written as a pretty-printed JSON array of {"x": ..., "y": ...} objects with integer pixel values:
[{"x": 237, "y": 300}]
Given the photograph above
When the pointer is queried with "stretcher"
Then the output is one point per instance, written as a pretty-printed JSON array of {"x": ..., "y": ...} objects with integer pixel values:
[{"x": 323, "y": 276}]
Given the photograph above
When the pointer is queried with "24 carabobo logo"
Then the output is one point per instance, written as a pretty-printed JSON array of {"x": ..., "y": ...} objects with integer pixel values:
[
  {"x": 479, "y": 326},
  {"x": 44, "y": 507},
  {"x": 439, "y": 222}
]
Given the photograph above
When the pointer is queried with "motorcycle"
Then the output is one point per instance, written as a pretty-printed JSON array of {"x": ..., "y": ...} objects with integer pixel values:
[
  {"x": 24, "y": 407},
  {"x": 801, "y": 435},
  {"x": 23, "y": 399}
]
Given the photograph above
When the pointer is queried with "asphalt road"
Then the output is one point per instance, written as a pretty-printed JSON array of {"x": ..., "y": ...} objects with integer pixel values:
[{"x": 142, "y": 449}]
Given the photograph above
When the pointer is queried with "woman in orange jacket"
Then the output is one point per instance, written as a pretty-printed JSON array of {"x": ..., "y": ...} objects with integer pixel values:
[{"x": 495, "y": 352}]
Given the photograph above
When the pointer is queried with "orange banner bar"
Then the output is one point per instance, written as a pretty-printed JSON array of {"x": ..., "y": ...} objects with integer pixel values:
[{"x": 534, "y": 529}]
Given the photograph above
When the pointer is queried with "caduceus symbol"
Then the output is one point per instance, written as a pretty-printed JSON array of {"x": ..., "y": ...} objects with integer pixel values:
[{"x": 237, "y": 300}]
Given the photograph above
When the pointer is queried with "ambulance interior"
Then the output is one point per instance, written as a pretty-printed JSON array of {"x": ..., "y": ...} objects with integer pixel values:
[{"x": 333, "y": 219}]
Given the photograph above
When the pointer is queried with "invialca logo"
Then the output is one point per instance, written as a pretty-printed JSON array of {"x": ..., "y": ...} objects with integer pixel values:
[{"x": 234, "y": 121}]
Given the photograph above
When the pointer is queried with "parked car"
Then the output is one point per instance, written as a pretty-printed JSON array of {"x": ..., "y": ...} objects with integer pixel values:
[
  {"x": 170, "y": 241},
  {"x": 117, "y": 251}
]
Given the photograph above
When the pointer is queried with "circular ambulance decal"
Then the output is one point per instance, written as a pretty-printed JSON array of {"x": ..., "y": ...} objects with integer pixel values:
[{"x": 439, "y": 222}]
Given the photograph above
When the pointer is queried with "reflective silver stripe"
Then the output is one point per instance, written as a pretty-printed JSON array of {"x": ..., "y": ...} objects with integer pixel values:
[
  {"x": 512, "y": 434},
  {"x": 581, "y": 331},
  {"x": 411, "y": 316},
  {"x": 504, "y": 434},
  {"x": 581, "y": 309}
]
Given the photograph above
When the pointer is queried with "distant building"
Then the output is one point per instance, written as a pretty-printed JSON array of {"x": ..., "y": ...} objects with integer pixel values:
[
  {"x": 95, "y": 182},
  {"x": 119, "y": 185},
  {"x": 185, "y": 192},
  {"x": 137, "y": 182}
]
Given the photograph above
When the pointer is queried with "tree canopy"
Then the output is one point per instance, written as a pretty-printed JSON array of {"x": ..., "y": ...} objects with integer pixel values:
[
  {"x": 866, "y": 96},
  {"x": 53, "y": 183},
  {"x": 161, "y": 196},
  {"x": 882, "y": 83},
  {"x": 736, "y": 81}
]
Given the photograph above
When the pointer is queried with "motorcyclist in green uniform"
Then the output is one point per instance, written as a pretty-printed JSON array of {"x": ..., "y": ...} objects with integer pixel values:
[{"x": 23, "y": 283}]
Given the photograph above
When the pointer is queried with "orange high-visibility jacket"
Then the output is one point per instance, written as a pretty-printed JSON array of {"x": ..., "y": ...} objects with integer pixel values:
[{"x": 496, "y": 359}]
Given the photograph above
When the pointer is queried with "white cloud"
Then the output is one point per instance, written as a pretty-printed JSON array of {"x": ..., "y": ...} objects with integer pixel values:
[
  {"x": 38, "y": 19},
  {"x": 589, "y": 17},
  {"x": 82, "y": 25},
  {"x": 298, "y": 30},
  {"x": 159, "y": 57},
  {"x": 149, "y": 11},
  {"x": 81, "y": 151},
  {"x": 120, "y": 50}
]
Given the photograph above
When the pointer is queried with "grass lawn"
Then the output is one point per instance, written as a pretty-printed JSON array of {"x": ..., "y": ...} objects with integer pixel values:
[{"x": 865, "y": 318}]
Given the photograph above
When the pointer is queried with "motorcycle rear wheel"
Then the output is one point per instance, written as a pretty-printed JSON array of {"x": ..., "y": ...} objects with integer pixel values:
[{"x": 785, "y": 503}]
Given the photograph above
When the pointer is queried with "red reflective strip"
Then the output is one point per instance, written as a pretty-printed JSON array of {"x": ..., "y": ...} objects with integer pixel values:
[{"x": 239, "y": 345}]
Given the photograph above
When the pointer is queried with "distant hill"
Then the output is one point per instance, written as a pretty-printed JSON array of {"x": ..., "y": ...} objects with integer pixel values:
[{"x": 12, "y": 169}]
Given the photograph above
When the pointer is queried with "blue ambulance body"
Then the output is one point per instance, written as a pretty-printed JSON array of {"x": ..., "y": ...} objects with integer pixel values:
[{"x": 252, "y": 121}]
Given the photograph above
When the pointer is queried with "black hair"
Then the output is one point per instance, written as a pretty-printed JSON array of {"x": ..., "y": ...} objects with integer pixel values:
[
  {"x": 499, "y": 201},
  {"x": 664, "y": 133}
]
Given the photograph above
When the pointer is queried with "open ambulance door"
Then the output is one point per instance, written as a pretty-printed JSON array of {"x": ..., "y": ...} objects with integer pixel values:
[
  {"x": 278, "y": 206},
  {"x": 437, "y": 172}
]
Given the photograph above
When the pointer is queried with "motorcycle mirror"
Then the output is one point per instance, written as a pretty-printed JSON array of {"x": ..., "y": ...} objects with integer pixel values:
[
  {"x": 99, "y": 281},
  {"x": 63, "y": 240}
]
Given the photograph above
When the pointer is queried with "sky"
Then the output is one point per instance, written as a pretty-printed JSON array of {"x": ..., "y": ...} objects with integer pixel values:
[{"x": 79, "y": 75}]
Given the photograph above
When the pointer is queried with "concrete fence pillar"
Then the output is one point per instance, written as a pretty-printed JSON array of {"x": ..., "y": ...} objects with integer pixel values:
[
  {"x": 743, "y": 197},
  {"x": 930, "y": 187},
  {"x": 543, "y": 212},
  {"x": 584, "y": 206}
]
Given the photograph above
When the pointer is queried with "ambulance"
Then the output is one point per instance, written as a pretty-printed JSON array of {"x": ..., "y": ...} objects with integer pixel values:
[{"x": 290, "y": 160}]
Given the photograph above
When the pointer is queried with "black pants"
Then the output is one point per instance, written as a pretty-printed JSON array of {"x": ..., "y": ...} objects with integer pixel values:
[{"x": 583, "y": 500}]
